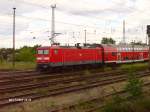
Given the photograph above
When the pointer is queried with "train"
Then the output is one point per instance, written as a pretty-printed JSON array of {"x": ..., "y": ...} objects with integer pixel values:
[{"x": 49, "y": 57}]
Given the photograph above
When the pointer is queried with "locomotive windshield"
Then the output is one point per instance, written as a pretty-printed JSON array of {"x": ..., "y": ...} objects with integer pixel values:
[
  {"x": 40, "y": 52},
  {"x": 43, "y": 52}
]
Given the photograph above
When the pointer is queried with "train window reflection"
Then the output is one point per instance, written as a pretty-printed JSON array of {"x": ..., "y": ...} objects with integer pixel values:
[
  {"x": 40, "y": 51},
  {"x": 46, "y": 52}
]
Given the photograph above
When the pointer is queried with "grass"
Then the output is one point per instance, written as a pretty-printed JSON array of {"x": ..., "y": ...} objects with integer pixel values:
[
  {"x": 37, "y": 106},
  {"x": 135, "y": 66},
  {"x": 139, "y": 105},
  {"x": 31, "y": 65},
  {"x": 18, "y": 65},
  {"x": 135, "y": 100}
]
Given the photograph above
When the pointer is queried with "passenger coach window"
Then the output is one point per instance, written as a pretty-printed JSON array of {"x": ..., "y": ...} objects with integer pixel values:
[
  {"x": 40, "y": 51},
  {"x": 46, "y": 52}
]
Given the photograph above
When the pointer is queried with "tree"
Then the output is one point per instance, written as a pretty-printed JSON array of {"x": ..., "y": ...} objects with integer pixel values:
[
  {"x": 5, "y": 53},
  {"x": 138, "y": 43},
  {"x": 23, "y": 54},
  {"x": 26, "y": 53},
  {"x": 134, "y": 85},
  {"x": 108, "y": 41}
]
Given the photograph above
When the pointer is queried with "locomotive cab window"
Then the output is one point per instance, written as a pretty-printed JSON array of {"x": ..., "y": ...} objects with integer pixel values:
[
  {"x": 55, "y": 51},
  {"x": 46, "y": 52},
  {"x": 40, "y": 52},
  {"x": 114, "y": 54}
]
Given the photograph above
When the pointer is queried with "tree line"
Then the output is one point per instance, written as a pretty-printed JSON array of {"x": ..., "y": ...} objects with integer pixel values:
[
  {"x": 106, "y": 40},
  {"x": 26, "y": 54}
]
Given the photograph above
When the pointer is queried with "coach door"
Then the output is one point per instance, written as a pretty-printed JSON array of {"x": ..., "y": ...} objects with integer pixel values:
[
  {"x": 119, "y": 57},
  {"x": 141, "y": 56}
]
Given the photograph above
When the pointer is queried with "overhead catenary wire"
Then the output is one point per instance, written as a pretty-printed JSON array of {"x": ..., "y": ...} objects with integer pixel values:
[
  {"x": 47, "y": 7},
  {"x": 42, "y": 19},
  {"x": 51, "y": 1},
  {"x": 47, "y": 20}
]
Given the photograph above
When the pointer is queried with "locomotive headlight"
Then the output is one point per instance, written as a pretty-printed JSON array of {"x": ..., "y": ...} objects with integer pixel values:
[
  {"x": 46, "y": 58},
  {"x": 39, "y": 58},
  {"x": 42, "y": 58}
]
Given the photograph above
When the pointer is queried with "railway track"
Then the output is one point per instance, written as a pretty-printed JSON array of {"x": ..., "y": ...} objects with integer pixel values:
[
  {"x": 15, "y": 74},
  {"x": 26, "y": 79},
  {"x": 95, "y": 109},
  {"x": 29, "y": 83},
  {"x": 99, "y": 101},
  {"x": 15, "y": 87},
  {"x": 58, "y": 85}
]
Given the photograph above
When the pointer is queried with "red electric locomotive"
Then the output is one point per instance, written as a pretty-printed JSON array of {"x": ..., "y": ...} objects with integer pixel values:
[{"x": 59, "y": 56}]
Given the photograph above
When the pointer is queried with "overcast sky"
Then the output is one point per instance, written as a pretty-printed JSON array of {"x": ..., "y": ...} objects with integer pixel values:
[{"x": 101, "y": 18}]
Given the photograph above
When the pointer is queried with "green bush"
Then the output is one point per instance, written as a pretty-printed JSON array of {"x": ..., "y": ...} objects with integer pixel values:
[
  {"x": 134, "y": 85},
  {"x": 134, "y": 90},
  {"x": 113, "y": 107},
  {"x": 26, "y": 54},
  {"x": 115, "y": 104},
  {"x": 144, "y": 104}
]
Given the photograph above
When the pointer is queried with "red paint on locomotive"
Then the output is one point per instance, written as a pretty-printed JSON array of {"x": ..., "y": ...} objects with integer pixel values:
[{"x": 56, "y": 56}]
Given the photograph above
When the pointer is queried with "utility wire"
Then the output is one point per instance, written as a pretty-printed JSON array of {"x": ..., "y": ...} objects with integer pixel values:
[
  {"x": 42, "y": 19},
  {"x": 48, "y": 7},
  {"x": 42, "y": 6}
]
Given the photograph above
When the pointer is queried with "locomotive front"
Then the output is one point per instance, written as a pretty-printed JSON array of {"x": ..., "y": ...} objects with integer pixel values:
[{"x": 43, "y": 57}]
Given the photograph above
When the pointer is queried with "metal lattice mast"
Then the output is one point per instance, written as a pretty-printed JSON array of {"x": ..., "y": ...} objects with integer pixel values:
[
  {"x": 124, "y": 41},
  {"x": 85, "y": 37},
  {"x": 53, "y": 24}
]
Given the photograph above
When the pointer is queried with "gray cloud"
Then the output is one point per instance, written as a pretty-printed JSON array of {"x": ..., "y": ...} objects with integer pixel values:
[
  {"x": 113, "y": 9},
  {"x": 21, "y": 6},
  {"x": 7, "y": 29},
  {"x": 109, "y": 11},
  {"x": 118, "y": 8},
  {"x": 6, "y": 13}
]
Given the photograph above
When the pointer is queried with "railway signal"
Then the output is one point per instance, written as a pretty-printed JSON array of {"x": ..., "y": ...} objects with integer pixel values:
[{"x": 148, "y": 33}]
